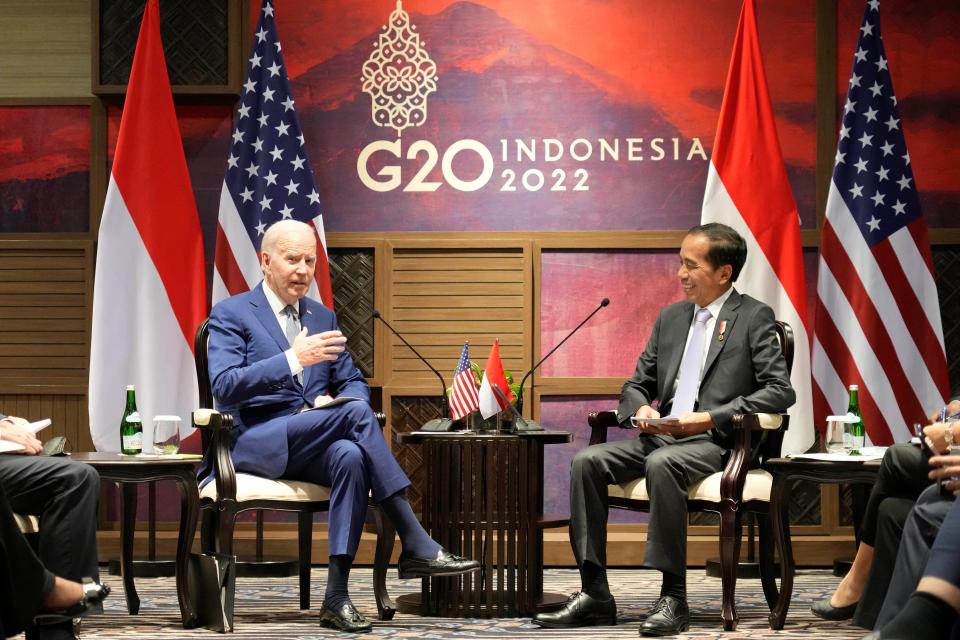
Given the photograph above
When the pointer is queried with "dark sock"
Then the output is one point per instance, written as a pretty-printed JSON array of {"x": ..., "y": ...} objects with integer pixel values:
[
  {"x": 924, "y": 617},
  {"x": 594, "y": 581},
  {"x": 674, "y": 585},
  {"x": 416, "y": 543},
  {"x": 338, "y": 574}
]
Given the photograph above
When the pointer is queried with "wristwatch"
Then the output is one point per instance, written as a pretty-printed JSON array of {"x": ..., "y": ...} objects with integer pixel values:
[{"x": 948, "y": 433}]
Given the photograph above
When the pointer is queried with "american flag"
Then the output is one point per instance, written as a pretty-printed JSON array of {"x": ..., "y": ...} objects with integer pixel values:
[
  {"x": 269, "y": 176},
  {"x": 878, "y": 318},
  {"x": 463, "y": 394}
]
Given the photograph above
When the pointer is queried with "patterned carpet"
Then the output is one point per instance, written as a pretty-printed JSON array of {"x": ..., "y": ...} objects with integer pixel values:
[{"x": 268, "y": 609}]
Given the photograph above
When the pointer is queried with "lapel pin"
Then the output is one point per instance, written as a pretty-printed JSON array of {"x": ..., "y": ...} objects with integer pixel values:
[{"x": 721, "y": 333}]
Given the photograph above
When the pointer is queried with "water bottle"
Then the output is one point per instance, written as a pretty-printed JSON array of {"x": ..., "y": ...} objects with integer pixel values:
[
  {"x": 131, "y": 427},
  {"x": 855, "y": 428}
]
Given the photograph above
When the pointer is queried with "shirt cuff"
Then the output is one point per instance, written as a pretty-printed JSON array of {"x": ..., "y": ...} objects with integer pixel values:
[{"x": 295, "y": 367}]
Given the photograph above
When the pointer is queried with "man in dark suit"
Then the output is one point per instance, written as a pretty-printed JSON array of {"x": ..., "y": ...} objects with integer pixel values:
[
  {"x": 273, "y": 353},
  {"x": 63, "y": 494},
  {"x": 710, "y": 357}
]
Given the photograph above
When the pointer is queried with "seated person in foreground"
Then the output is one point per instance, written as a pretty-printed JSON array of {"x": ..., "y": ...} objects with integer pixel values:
[
  {"x": 903, "y": 475},
  {"x": 34, "y": 599},
  {"x": 931, "y": 612},
  {"x": 273, "y": 352},
  {"x": 63, "y": 495},
  {"x": 709, "y": 357}
]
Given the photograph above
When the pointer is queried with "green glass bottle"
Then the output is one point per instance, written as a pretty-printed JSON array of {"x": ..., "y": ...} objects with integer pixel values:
[
  {"x": 131, "y": 427},
  {"x": 856, "y": 429}
]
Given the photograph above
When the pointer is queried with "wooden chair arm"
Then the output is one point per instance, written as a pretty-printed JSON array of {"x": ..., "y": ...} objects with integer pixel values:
[
  {"x": 746, "y": 447},
  {"x": 599, "y": 422},
  {"x": 225, "y": 475}
]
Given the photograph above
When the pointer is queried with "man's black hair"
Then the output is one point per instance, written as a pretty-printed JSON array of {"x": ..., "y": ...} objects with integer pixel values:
[{"x": 726, "y": 246}]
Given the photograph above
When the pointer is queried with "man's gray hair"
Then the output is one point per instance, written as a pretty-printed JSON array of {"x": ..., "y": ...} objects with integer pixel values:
[{"x": 280, "y": 229}]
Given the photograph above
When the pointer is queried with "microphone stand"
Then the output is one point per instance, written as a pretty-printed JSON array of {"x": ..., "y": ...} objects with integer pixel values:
[
  {"x": 519, "y": 409},
  {"x": 443, "y": 423}
]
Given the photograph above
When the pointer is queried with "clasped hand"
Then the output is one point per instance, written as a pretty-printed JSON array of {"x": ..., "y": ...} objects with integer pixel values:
[
  {"x": 690, "y": 423},
  {"x": 318, "y": 347},
  {"x": 14, "y": 430}
]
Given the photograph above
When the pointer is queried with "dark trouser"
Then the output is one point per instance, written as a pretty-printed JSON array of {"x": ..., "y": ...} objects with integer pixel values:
[
  {"x": 903, "y": 474},
  {"x": 901, "y": 478},
  {"x": 670, "y": 466},
  {"x": 23, "y": 579},
  {"x": 343, "y": 448},
  {"x": 63, "y": 494},
  {"x": 919, "y": 533}
]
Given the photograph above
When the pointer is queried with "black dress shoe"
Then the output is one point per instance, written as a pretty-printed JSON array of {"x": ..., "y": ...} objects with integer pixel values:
[
  {"x": 823, "y": 609},
  {"x": 93, "y": 594},
  {"x": 345, "y": 618},
  {"x": 445, "y": 564},
  {"x": 668, "y": 617},
  {"x": 581, "y": 610}
]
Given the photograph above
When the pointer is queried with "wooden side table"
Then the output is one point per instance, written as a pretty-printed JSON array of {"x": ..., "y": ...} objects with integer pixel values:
[
  {"x": 483, "y": 498},
  {"x": 129, "y": 470},
  {"x": 786, "y": 472}
]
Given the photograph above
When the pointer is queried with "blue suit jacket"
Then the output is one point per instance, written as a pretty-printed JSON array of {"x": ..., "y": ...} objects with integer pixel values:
[{"x": 251, "y": 379}]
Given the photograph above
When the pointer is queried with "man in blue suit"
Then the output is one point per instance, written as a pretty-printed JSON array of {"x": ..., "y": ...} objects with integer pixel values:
[{"x": 274, "y": 353}]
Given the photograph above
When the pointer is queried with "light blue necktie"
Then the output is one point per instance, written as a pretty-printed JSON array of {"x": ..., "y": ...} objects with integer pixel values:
[{"x": 686, "y": 395}]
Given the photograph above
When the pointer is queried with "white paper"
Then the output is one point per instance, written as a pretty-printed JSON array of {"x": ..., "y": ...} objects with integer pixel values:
[
  {"x": 336, "y": 402},
  {"x": 39, "y": 425},
  {"x": 7, "y": 446},
  {"x": 867, "y": 453},
  {"x": 669, "y": 421}
]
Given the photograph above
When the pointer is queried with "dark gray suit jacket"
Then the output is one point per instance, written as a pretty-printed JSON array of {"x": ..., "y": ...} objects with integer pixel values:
[{"x": 745, "y": 371}]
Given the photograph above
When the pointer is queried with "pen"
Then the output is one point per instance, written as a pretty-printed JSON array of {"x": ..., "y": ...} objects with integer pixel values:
[{"x": 943, "y": 414}]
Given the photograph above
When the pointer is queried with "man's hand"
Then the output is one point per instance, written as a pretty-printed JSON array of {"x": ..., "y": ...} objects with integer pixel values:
[
  {"x": 952, "y": 408},
  {"x": 692, "y": 423},
  {"x": 15, "y": 430},
  {"x": 646, "y": 412},
  {"x": 934, "y": 435},
  {"x": 319, "y": 347},
  {"x": 946, "y": 468},
  {"x": 322, "y": 400}
]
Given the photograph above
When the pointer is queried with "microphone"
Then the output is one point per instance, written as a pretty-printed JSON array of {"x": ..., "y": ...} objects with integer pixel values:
[
  {"x": 437, "y": 424},
  {"x": 602, "y": 304}
]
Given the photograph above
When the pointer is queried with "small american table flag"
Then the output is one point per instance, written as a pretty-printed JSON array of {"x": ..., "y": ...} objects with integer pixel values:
[{"x": 464, "y": 399}]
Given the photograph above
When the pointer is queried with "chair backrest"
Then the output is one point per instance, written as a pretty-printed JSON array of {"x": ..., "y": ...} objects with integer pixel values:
[
  {"x": 200, "y": 341},
  {"x": 772, "y": 441}
]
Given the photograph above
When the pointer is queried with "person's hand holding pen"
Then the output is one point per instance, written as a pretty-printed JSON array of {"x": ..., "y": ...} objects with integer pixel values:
[
  {"x": 952, "y": 409},
  {"x": 940, "y": 435}
]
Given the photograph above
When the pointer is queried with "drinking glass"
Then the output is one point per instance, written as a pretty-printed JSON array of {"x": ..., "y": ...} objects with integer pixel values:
[
  {"x": 166, "y": 435},
  {"x": 836, "y": 436}
]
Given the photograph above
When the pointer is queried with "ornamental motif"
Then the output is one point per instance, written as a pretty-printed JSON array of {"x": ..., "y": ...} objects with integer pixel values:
[{"x": 399, "y": 75}]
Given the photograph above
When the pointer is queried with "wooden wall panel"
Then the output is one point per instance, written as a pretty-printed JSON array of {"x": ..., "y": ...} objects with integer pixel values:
[
  {"x": 441, "y": 296},
  {"x": 67, "y": 411},
  {"x": 46, "y": 49},
  {"x": 43, "y": 313}
]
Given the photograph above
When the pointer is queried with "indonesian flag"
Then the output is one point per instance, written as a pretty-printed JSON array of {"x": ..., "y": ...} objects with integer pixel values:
[
  {"x": 747, "y": 189},
  {"x": 149, "y": 294},
  {"x": 493, "y": 376}
]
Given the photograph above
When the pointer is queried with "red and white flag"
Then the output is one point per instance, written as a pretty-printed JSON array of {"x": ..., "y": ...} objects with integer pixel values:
[
  {"x": 493, "y": 376},
  {"x": 878, "y": 315},
  {"x": 149, "y": 293},
  {"x": 748, "y": 189},
  {"x": 269, "y": 176}
]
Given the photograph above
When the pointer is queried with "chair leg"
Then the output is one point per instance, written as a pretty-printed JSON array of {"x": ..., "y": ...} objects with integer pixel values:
[
  {"x": 208, "y": 530},
  {"x": 730, "y": 533},
  {"x": 305, "y": 532},
  {"x": 225, "y": 523},
  {"x": 385, "y": 541},
  {"x": 768, "y": 563}
]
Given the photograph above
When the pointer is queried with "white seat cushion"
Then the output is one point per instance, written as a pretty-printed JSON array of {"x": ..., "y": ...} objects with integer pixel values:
[
  {"x": 27, "y": 524},
  {"x": 756, "y": 487},
  {"x": 250, "y": 487}
]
